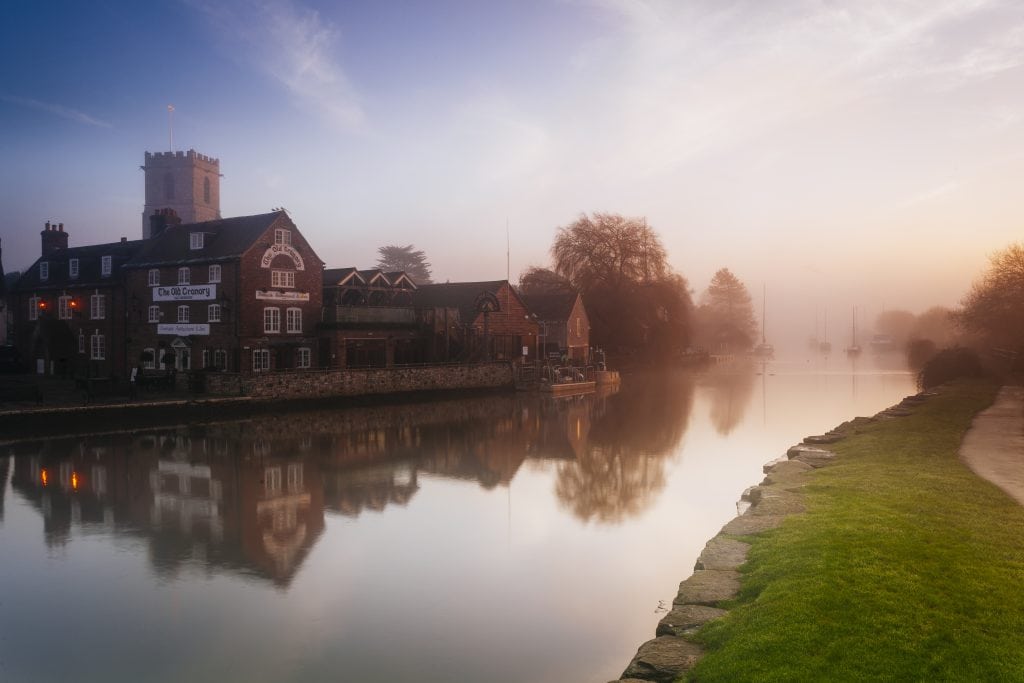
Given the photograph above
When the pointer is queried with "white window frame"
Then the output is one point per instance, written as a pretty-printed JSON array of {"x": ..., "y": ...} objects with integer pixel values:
[
  {"x": 97, "y": 346},
  {"x": 220, "y": 359},
  {"x": 293, "y": 320},
  {"x": 153, "y": 278},
  {"x": 97, "y": 307},
  {"x": 303, "y": 357},
  {"x": 282, "y": 236},
  {"x": 183, "y": 313},
  {"x": 151, "y": 363},
  {"x": 73, "y": 268},
  {"x": 184, "y": 275},
  {"x": 282, "y": 278},
  {"x": 106, "y": 265},
  {"x": 195, "y": 240},
  {"x": 213, "y": 313},
  {"x": 214, "y": 273},
  {"x": 260, "y": 360},
  {"x": 44, "y": 270},
  {"x": 64, "y": 307},
  {"x": 271, "y": 320},
  {"x": 154, "y": 314},
  {"x": 33, "y": 307},
  {"x": 206, "y": 358}
]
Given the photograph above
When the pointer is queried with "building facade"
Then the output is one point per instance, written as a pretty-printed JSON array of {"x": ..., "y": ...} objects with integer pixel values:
[
  {"x": 565, "y": 326},
  {"x": 69, "y": 307},
  {"x": 238, "y": 294}
]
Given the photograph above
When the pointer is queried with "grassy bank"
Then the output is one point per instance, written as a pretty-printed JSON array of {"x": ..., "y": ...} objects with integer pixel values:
[{"x": 906, "y": 567}]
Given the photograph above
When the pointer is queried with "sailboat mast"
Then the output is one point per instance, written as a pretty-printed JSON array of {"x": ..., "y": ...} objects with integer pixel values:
[{"x": 764, "y": 309}]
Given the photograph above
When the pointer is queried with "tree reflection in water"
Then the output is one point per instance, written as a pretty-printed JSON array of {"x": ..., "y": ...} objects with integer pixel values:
[
  {"x": 731, "y": 386},
  {"x": 620, "y": 469}
]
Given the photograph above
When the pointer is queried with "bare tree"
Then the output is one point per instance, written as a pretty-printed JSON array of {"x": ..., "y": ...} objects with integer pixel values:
[
  {"x": 637, "y": 305},
  {"x": 538, "y": 280},
  {"x": 607, "y": 248},
  {"x": 994, "y": 307},
  {"x": 408, "y": 259}
]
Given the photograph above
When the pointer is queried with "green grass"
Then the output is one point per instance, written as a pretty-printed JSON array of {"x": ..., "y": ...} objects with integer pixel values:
[{"x": 906, "y": 567}]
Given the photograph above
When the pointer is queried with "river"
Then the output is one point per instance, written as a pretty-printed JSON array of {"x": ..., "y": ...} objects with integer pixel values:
[{"x": 514, "y": 538}]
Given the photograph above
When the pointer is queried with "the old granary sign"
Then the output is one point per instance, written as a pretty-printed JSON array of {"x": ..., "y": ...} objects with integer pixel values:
[
  {"x": 185, "y": 293},
  {"x": 275, "y": 250}
]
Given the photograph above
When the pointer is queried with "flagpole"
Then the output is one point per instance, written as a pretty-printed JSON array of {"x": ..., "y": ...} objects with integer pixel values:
[{"x": 170, "y": 126}]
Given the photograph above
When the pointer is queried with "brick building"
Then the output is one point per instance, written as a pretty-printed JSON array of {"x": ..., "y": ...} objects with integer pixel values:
[
  {"x": 68, "y": 308},
  {"x": 565, "y": 327},
  {"x": 468, "y": 321},
  {"x": 239, "y": 294}
]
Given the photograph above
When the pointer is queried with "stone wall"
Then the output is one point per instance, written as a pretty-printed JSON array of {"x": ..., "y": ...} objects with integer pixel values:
[{"x": 361, "y": 381}]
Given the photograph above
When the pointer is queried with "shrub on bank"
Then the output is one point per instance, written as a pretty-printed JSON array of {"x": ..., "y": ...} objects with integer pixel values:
[{"x": 949, "y": 364}]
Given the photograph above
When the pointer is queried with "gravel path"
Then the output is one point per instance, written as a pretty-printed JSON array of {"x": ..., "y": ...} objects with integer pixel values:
[{"x": 994, "y": 445}]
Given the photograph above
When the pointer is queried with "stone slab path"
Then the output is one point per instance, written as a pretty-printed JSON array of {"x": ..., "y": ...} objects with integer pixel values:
[{"x": 994, "y": 445}]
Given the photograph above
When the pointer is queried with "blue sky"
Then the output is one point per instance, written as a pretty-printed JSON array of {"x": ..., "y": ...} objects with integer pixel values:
[{"x": 864, "y": 152}]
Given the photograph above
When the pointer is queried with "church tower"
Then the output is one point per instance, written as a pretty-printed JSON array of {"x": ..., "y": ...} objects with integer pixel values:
[{"x": 187, "y": 182}]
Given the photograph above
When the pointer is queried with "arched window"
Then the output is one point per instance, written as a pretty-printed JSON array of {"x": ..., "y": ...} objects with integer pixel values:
[
  {"x": 206, "y": 190},
  {"x": 168, "y": 186}
]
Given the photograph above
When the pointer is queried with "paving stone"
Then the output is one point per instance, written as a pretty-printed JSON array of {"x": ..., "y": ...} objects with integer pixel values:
[
  {"x": 663, "y": 659},
  {"x": 751, "y": 524},
  {"x": 812, "y": 455},
  {"x": 722, "y": 553},
  {"x": 775, "y": 500},
  {"x": 708, "y": 587},
  {"x": 786, "y": 473},
  {"x": 684, "y": 619}
]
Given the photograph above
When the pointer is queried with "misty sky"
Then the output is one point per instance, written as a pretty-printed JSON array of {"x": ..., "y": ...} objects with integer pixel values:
[{"x": 864, "y": 153}]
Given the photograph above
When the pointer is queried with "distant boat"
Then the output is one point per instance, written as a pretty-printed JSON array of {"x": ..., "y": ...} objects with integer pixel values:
[
  {"x": 854, "y": 348},
  {"x": 764, "y": 349},
  {"x": 825, "y": 346}
]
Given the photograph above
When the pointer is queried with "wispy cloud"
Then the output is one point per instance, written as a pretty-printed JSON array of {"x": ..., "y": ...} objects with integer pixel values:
[
  {"x": 295, "y": 46},
  {"x": 57, "y": 110}
]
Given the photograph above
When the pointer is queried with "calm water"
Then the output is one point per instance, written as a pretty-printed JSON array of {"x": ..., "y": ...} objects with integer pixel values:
[{"x": 507, "y": 538}]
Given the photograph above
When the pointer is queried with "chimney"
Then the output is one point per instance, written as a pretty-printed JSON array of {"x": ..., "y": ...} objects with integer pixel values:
[
  {"x": 161, "y": 220},
  {"x": 53, "y": 239}
]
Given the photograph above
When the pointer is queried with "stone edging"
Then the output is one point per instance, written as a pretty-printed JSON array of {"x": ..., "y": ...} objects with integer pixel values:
[{"x": 716, "y": 577}]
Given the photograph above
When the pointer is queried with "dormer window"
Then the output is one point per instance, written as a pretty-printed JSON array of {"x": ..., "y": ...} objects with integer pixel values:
[
  {"x": 184, "y": 276},
  {"x": 195, "y": 240},
  {"x": 105, "y": 263},
  {"x": 44, "y": 270},
  {"x": 282, "y": 236},
  {"x": 73, "y": 268}
]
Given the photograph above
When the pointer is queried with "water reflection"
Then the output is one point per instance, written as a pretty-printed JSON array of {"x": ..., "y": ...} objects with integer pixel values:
[
  {"x": 731, "y": 387},
  {"x": 251, "y": 496},
  {"x": 618, "y": 468}
]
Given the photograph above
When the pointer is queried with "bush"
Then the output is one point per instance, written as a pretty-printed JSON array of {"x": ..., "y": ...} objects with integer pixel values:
[
  {"x": 949, "y": 364},
  {"x": 919, "y": 352}
]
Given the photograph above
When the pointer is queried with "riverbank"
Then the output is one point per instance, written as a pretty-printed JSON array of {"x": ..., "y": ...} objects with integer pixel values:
[{"x": 889, "y": 560}]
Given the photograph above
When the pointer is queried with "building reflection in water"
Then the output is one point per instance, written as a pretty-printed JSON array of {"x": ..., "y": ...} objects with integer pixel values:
[
  {"x": 250, "y": 497},
  {"x": 730, "y": 387}
]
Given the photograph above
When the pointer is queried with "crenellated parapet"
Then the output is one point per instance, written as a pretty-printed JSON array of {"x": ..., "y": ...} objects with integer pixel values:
[{"x": 171, "y": 157}]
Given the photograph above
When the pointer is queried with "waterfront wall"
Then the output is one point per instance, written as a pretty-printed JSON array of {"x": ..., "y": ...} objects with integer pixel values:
[{"x": 361, "y": 381}]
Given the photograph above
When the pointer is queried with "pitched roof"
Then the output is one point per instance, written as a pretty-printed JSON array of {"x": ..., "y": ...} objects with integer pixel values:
[
  {"x": 460, "y": 295},
  {"x": 336, "y": 276},
  {"x": 554, "y": 306},
  {"x": 224, "y": 239},
  {"x": 90, "y": 271}
]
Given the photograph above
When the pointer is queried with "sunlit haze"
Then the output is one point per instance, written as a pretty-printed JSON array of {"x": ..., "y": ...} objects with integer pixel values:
[{"x": 840, "y": 154}]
